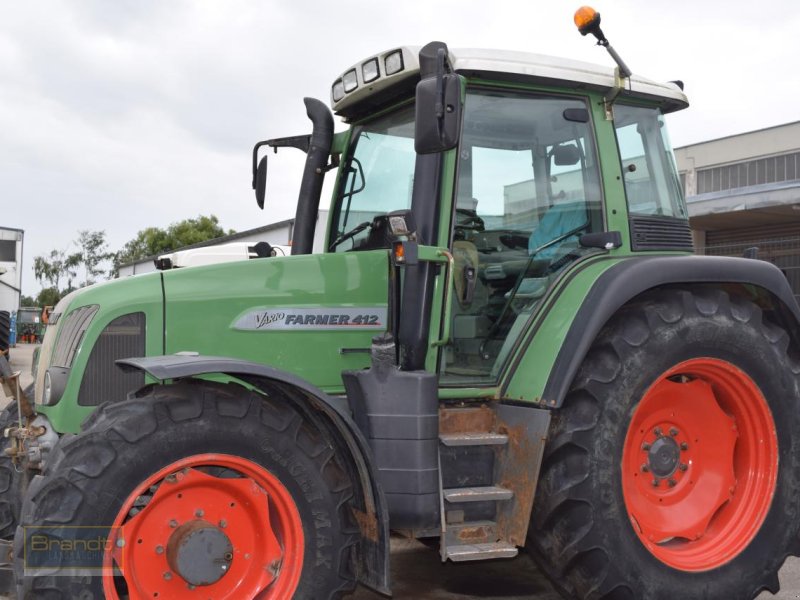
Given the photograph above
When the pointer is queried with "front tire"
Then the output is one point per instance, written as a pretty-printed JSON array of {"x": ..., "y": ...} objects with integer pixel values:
[
  {"x": 198, "y": 488},
  {"x": 11, "y": 477},
  {"x": 672, "y": 466}
]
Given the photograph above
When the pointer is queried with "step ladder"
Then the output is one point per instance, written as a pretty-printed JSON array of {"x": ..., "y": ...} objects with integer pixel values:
[{"x": 488, "y": 478}]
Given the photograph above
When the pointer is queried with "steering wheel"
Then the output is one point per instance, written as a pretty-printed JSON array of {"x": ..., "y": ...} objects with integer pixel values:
[{"x": 467, "y": 220}]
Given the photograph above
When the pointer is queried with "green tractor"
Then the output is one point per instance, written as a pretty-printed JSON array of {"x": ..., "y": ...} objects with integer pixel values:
[{"x": 507, "y": 343}]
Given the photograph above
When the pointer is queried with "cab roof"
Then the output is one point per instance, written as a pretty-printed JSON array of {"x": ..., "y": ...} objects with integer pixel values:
[{"x": 501, "y": 65}]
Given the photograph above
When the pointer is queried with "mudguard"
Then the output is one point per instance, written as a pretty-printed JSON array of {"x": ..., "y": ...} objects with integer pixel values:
[
  {"x": 373, "y": 570},
  {"x": 629, "y": 278}
]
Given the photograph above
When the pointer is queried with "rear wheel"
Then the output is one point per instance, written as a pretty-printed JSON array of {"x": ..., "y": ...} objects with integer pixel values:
[
  {"x": 672, "y": 464},
  {"x": 197, "y": 488}
]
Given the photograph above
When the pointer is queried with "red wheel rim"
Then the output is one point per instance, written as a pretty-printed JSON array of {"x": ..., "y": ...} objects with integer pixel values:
[
  {"x": 700, "y": 464},
  {"x": 233, "y": 501}
]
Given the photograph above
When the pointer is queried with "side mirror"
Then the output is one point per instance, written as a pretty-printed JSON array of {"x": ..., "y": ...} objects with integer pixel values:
[
  {"x": 261, "y": 181},
  {"x": 260, "y": 174},
  {"x": 438, "y": 104}
]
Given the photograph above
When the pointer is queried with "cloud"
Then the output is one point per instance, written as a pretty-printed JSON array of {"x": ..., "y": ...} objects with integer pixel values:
[{"x": 123, "y": 115}]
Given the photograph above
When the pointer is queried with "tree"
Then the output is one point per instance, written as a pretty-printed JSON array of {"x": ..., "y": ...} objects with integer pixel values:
[
  {"x": 154, "y": 240},
  {"x": 54, "y": 267},
  {"x": 27, "y": 301},
  {"x": 93, "y": 252},
  {"x": 48, "y": 297}
]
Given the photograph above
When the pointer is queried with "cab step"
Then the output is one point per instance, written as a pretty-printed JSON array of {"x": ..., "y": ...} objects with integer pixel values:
[
  {"x": 477, "y": 494},
  {"x": 467, "y": 552},
  {"x": 476, "y": 438}
]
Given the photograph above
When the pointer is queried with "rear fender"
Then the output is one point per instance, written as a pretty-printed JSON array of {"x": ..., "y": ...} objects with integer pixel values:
[
  {"x": 623, "y": 282},
  {"x": 327, "y": 412}
]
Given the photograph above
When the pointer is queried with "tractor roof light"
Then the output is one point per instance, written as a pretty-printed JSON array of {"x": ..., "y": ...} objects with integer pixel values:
[
  {"x": 393, "y": 62},
  {"x": 587, "y": 20},
  {"x": 337, "y": 91},
  {"x": 370, "y": 71},
  {"x": 350, "y": 81}
]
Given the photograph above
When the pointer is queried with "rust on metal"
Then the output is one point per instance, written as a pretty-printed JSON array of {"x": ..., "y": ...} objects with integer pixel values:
[
  {"x": 519, "y": 469},
  {"x": 367, "y": 524},
  {"x": 459, "y": 420},
  {"x": 519, "y": 477},
  {"x": 470, "y": 534}
]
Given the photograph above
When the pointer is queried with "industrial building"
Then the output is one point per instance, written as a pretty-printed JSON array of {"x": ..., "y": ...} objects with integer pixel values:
[
  {"x": 11, "y": 245},
  {"x": 743, "y": 192}
]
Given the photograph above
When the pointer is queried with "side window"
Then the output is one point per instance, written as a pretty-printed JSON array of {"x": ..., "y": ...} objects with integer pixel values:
[
  {"x": 652, "y": 184},
  {"x": 376, "y": 178},
  {"x": 528, "y": 188}
]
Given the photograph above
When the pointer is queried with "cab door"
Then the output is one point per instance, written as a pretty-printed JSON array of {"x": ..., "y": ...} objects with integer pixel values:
[{"x": 528, "y": 186}]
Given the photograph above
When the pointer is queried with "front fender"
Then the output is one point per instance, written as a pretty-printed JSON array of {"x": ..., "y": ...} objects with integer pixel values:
[{"x": 373, "y": 570}]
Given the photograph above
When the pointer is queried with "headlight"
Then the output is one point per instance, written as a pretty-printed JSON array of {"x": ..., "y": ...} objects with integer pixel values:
[
  {"x": 55, "y": 380},
  {"x": 393, "y": 63},
  {"x": 369, "y": 70},
  {"x": 48, "y": 388}
]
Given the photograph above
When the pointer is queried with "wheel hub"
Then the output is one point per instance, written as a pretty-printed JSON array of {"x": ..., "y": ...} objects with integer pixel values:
[
  {"x": 199, "y": 552},
  {"x": 663, "y": 457}
]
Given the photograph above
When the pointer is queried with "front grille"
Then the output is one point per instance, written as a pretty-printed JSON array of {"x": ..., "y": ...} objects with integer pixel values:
[
  {"x": 102, "y": 380},
  {"x": 660, "y": 233}
]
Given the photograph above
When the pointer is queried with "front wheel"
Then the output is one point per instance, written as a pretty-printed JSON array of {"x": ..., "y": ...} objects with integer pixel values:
[
  {"x": 672, "y": 464},
  {"x": 196, "y": 488}
]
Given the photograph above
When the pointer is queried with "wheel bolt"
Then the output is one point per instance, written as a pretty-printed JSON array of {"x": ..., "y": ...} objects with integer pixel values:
[
  {"x": 672, "y": 483},
  {"x": 120, "y": 543},
  {"x": 645, "y": 468},
  {"x": 198, "y": 513},
  {"x": 190, "y": 586},
  {"x": 683, "y": 466},
  {"x": 159, "y": 549},
  {"x": 645, "y": 446},
  {"x": 657, "y": 431},
  {"x": 173, "y": 523},
  {"x": 655, "y": 482},
  {"x": 223, "y": 524},
  {"x": 167, "y": 575},
  {"x": 673, "y": 432},
  {"x": 684, "y": 446}
]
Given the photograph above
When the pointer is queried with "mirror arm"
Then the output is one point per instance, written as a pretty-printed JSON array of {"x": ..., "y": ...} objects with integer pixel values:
[{"x": 301, "y": 142}]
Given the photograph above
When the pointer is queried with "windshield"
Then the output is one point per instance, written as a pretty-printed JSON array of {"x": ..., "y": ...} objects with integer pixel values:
[
  {"x": 652, "y": 184},
  {"x": 376, "y": 179}
]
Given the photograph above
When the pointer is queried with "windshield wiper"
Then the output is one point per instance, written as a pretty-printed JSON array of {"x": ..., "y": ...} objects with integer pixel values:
[{"x": 349, "y": 234}]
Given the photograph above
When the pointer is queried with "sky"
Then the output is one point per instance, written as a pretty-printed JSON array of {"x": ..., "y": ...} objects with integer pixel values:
[{"x": 121, "y": 115}]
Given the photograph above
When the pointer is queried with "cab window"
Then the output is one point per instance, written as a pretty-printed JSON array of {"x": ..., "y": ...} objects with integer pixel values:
[{"x": 377, "y": 178}]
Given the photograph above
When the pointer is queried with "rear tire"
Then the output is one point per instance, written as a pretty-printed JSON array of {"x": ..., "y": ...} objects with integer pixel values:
[
  {"x": 5, "y": 331},
  {"x": 215, "y": 451},
  {"x": 656, "y": 400}
]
